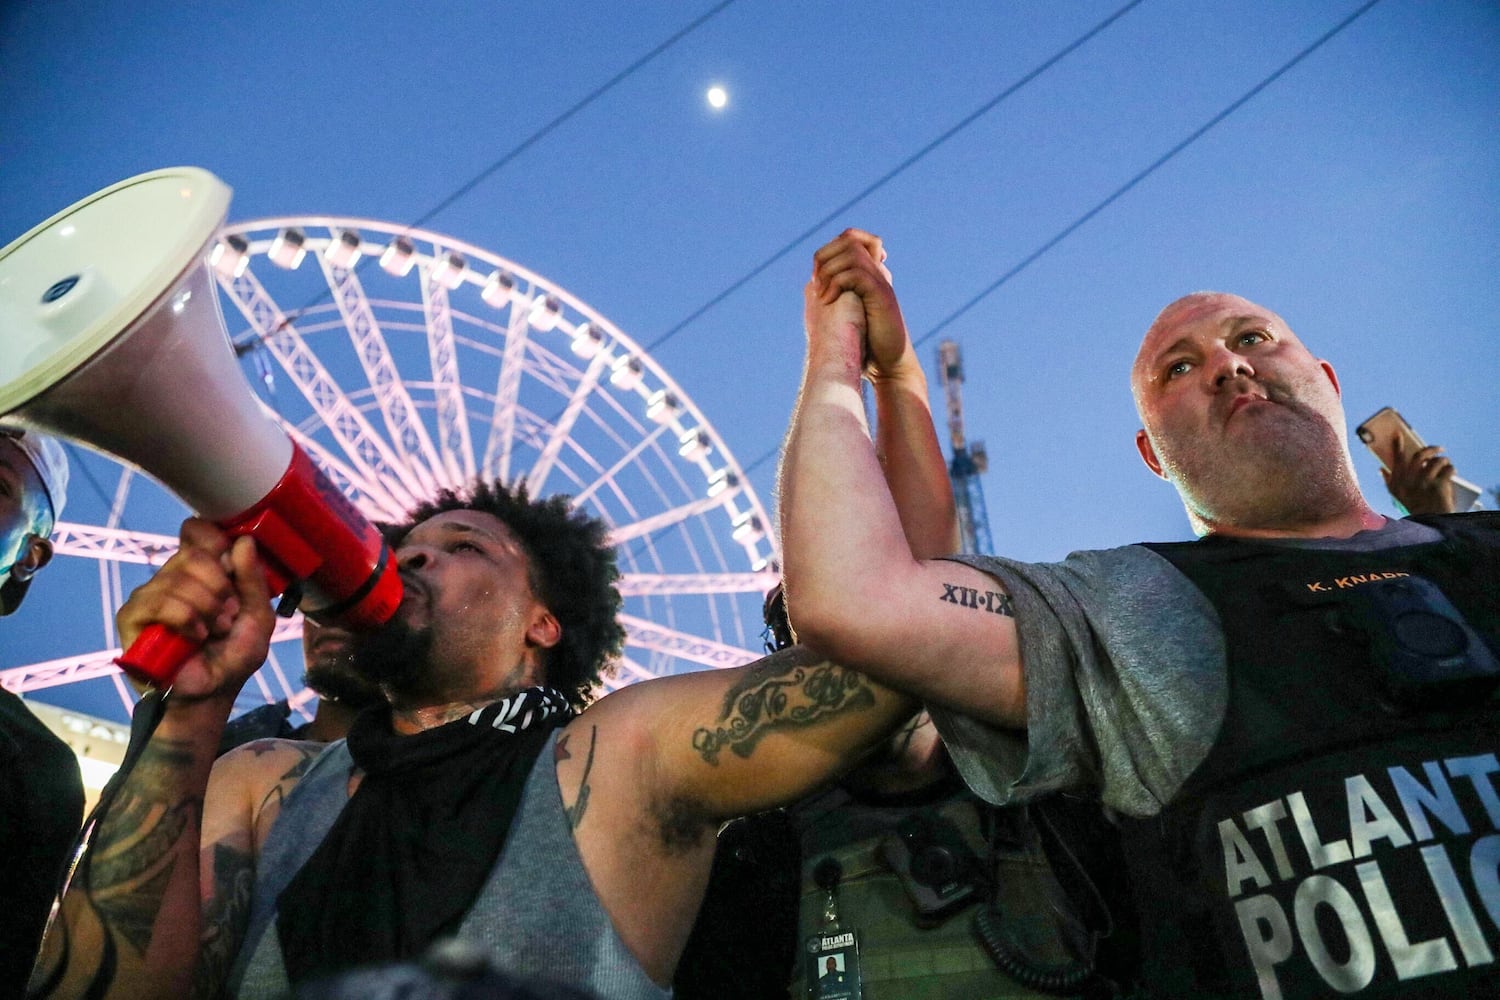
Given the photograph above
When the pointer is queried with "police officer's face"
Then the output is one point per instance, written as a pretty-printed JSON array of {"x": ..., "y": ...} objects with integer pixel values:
[{"x": 1237, "y": 413}]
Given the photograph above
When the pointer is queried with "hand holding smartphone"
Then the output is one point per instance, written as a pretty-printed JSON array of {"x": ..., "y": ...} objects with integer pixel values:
[{"x": 1393, "y": 441}]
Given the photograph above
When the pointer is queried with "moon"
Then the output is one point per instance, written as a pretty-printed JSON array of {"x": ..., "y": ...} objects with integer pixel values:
[{"x": 717, "y": 97}]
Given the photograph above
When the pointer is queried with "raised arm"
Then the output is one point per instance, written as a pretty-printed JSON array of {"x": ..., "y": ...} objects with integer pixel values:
[
  {"x": 906, "y": 442},
  {"x": 130, "y": 923},
  {"x": 857, "y": 589}
]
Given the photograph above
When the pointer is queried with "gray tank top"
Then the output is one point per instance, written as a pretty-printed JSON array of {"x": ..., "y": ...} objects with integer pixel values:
[{"x": 536, "y": 915}]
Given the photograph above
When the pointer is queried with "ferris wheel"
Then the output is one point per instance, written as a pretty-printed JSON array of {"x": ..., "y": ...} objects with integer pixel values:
[{"x": 404, "y": 361}]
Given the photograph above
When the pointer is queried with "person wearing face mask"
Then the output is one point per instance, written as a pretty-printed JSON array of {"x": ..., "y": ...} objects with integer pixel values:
[{"x": 41, "y": 790}]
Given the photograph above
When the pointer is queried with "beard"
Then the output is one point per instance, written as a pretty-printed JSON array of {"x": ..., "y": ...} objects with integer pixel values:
[
  {"x": 342, "y": 681},
  {"x": 394, "y": 656},
  {"x": 1283, "y": 467}
]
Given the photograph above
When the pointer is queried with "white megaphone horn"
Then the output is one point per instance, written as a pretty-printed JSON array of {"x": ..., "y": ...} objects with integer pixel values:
[{"x": 111, "y": 336}]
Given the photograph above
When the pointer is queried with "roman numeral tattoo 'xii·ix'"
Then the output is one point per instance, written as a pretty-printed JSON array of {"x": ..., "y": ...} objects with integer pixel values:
[{"x": 980, "y": 600}]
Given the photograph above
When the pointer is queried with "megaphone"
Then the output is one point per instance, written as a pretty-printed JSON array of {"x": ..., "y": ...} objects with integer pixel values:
[{"x": 111, "y": 336}]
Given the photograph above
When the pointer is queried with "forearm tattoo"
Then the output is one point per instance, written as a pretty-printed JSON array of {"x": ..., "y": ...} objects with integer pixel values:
[
  {"x": 137, "y": 845},
  {"x": 980, "y": 600},
  {"x": 777, "y": 696}
]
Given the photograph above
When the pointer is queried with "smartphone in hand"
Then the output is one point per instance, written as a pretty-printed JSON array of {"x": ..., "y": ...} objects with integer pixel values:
[{"x": 1380, "y": 431}]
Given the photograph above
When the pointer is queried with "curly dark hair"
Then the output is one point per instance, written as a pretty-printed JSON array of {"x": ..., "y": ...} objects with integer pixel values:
[{"x": 572, "y": 572}]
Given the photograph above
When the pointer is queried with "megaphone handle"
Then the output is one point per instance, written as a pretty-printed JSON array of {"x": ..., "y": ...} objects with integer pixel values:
[
  {"x": 304, "y": 529},
  {"x": 158, "y": 654}
]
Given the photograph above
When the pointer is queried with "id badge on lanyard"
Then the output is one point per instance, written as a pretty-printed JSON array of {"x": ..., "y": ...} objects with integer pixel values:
[
  {"x": 832, "y": 954},
  {"x": 833, "y": 966}
]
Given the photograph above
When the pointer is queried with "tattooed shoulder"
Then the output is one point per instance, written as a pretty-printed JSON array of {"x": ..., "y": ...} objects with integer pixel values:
[
  {"x": 290, "y": 765},
  {"x": 581, "y": 802}
]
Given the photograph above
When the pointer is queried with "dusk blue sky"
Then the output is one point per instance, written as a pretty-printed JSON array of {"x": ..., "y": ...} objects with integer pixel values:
[{"x": 1358, "y": 195}]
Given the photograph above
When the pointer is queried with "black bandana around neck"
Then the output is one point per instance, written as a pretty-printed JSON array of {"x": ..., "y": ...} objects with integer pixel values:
[{"x": 416, "y": 842}]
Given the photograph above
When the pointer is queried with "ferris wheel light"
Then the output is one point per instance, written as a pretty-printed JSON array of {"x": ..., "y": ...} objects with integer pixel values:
[
  {"x": 288, "y": 249},
  {"x": 450, "y": 270},
  {"x": 345, "y": 249},
  {"x": 545, "y": 313},
  {"x": 748, "y": 529},
  {"x": 587, "y": 341},
  {"x": 721, "y": 481},
  {"x": 662, "y": 407},
  {"x": 500, "y": 290},
  {"x": 626, "y": 373},
  {"x": 230, "y": 256},
  {"x": 398, "y": 257},
  {"x": 694, "y": 445}
]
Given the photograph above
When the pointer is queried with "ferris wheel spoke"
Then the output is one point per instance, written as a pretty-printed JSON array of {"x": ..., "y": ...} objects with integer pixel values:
[
  {"x": 650, "y": 525},
  {"x": 352, "y": 482},
  {"x": 653, "y": 584},
  {"x": 497, "y": 449},
  {"x": 607, "y": 477},
  {"x": 112, "y": 544},
  {"x": 695, "y": 648},
  {"x": 407, "y": 431},
  {"x": 87, "y": 666},
  {"x": 633, "y": 670},
  {"x": 452, "y": 412},
  {"x": 360, "y": 442},
  {"x": 536, "y": 479}
]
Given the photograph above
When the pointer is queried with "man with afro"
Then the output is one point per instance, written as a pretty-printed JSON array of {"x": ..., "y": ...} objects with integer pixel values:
[{"x": 489, "y": 802}]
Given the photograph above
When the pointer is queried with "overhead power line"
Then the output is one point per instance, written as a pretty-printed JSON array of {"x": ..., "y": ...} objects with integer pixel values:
[
  {"x": 1114, "y": 196},
  {"x": 584, "y": 102},
  {"x": 1160, "y": 161},
  {"x": 900, "y": 168}
]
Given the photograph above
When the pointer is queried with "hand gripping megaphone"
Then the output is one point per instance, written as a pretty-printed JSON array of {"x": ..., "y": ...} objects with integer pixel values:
[{"x": 111, "y": 336}]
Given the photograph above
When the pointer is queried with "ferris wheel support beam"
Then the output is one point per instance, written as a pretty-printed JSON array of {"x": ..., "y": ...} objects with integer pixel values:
[
  {"x": 113, "y": 544},
  {"x": 635, "y": 671},
  {"x": 497, "y": 449},
  {"x": 657, "y": 584},
  {"x": 667, "y": 518},
  {"x": 381, "y": 470},
  {"x": 452, "y": 412},
  {"x": 71, "y": 669},
  {"x": 542, "y": 468},
  {"x": 608, "y": 476},
  {"x": 401, "y": 418},
  {"x": 695, "y": 648},
  {"x": 377, "y": 504}
]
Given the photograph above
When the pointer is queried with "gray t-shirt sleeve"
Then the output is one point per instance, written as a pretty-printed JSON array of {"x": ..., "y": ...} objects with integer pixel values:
[{"x": 1125, "y": 683}]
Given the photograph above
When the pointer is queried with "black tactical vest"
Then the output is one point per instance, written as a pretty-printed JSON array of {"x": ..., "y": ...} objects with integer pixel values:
[{"x": 1342, "y": 837}]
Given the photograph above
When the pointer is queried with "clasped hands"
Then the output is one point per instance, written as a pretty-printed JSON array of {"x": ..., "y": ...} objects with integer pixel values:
[{"x": 850, "y": 301}]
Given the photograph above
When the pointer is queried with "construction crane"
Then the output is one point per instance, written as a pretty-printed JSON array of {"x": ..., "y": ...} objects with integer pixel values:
[{"x": 969, "y": 457}]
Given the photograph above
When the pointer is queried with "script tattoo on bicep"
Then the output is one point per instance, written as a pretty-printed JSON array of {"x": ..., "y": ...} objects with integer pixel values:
[
  {"x": 137, "y": 847},
  {"x": 776, "y": 695},
  {"x": 980, "y": 600}
]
